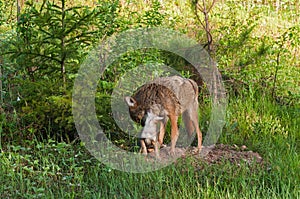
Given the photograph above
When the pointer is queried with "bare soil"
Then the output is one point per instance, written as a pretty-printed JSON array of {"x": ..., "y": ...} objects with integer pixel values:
[{"x": 214, "y": 154}]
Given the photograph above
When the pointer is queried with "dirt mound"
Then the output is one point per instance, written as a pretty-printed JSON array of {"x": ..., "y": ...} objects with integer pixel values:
[
  {"x": 234, "y": 154},
  {"x": 214, "y": 154}
]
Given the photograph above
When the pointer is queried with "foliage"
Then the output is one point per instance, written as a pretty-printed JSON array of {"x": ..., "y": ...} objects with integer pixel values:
[
  {"x": 258, "y": 61},
  {"x": 7, "y": 15},
  {"x": 257, "y": 50},
  {"x": 52, "y": 39},
  {"x": 49, "y": 44}
]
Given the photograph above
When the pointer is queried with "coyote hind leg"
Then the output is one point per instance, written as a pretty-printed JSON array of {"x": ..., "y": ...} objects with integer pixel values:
[
  {"x": 188, "y": 123},
  {"x": 191, "y": 122},
  {"x": 198, "y": 131}
]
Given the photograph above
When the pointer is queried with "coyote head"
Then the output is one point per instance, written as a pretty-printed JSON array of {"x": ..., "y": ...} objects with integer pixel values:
[
  {"x": 150, "y": 128},
  {"x": 136, "y": 111},
  {"x": 140, "y": 112}
]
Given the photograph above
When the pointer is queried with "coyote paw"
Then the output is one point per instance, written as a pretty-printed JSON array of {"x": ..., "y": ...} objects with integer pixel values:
[
  {"x": 196, "y": 150},
  {"x": 172, "y": 152},
  {"x": 144, "y": 152}
]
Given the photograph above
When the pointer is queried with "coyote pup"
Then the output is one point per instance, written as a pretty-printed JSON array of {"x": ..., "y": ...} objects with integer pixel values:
[{"x": 162, "y": 99}]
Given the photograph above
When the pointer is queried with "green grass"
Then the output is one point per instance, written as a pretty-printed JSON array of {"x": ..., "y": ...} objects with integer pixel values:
[{"x": 58, "y": 170}]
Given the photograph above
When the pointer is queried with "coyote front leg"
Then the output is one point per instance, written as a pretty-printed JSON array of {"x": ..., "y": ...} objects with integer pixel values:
[{"x": 162, "y": 131}]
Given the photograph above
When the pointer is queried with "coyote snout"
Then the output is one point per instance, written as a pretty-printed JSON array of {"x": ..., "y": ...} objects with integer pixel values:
[
  {"x": 162, "y": 99},
  {"x": 149, "y": 133}
]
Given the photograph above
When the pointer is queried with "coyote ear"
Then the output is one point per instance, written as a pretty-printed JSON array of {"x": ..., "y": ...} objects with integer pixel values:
[{"x": 130, "y": 101}]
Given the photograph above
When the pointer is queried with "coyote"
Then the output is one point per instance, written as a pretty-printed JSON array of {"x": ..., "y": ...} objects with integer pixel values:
[{"x": 162, "y": 99}]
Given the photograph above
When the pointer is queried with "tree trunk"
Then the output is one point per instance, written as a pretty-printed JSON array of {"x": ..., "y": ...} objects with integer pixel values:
[{"x": 207, "y": 29}]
